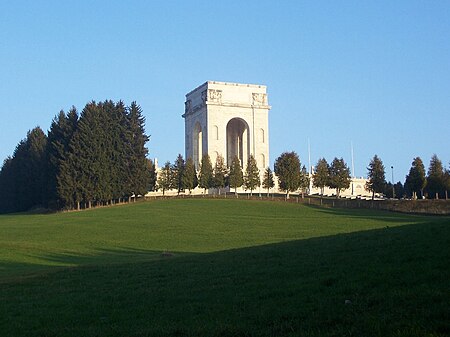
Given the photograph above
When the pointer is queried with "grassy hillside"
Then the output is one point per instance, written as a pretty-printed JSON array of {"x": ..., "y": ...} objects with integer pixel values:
[{"x": 236, "y": 268}]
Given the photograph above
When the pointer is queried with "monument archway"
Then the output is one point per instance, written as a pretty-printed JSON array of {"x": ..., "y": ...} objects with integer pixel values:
[{"x": 238, "y": 141}]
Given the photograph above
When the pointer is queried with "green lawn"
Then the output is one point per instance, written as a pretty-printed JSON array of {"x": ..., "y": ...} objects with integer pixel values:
[{"x": 235, "y": 268}]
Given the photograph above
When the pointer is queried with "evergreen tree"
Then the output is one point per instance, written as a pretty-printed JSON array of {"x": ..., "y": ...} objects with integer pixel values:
[
  {"x": 165, "y": 178},
  {"x": 376, "y": 174},
  {"x": 178, "y": 172},
  {"x": 220, "y": 173},
  {"x": 447, "y": 182},
  {"x": 206, "y": 177},
  {"x": 60, "y": 135},
  {"x": 287, "y": 169},
  {"x": 416, "y": 180},
  {"x": 235, "y": 177},
  {"x": 268, "y": 181},
  {"x": 152, "y": 176},
  {"x": 251, "y": 176},
  {"x": 7, "y": 186},
  {"x": 190, "y": 175},
  {"x": 304, "y": 181},
  {"x": 321, "y": 176},
  {"x": 435, "y": 178},
  {"x": 136, "y": 161},
  {"x": 339, "y": 176},
  {"x": 87, "y": 159},
  {"x": 23, "y": 175},
  {"x": 33, "y": 187}
]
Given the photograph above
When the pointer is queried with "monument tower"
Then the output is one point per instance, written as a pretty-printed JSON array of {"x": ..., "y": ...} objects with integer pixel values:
[{"x": 230, "y": 119}]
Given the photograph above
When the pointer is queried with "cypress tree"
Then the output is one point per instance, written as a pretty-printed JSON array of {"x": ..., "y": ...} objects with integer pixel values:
[
  {"x": 268, "y": 181},
  {"x": 220, "y": 173},
  {"x": 205, "y": 177},
  {"x": 190, "y": 180},
  {"x": 178, "y": 172},
  {"x": 235, "y": 177},
  {"x": 251, "y": 177}
]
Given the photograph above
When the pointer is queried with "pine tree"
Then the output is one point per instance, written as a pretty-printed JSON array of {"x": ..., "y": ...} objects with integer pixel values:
[
  {"x": 447, "y": 182},
  {"x": 376, "y": 174},
  {"x": 251, "y": 176},
  {"x": 136, "y": 161},
  {"x": 60, "y": 135},
  {"x": 416, "y": 180},
  {"x": 235, "y": 177},
  {"x": 205, "y": 177},
  {"x": 268, "y": 181},
  {"x": 178, "y": 172},
  {"x": 339, "y": 176},
  {"x": 7, "y": 186},
  {"x": 287, "y": 169},
  {"x": 190, "y": 180},
  {"x": 24, "y": 173},
  {"x": 220, "y": 173},
  {"x": 152, "y": 176},
  {"x": 435, "y": 178},
  {"x": 321, "y": 176}
]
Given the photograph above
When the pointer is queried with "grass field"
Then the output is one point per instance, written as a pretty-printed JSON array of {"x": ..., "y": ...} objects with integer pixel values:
[{"x": 232, "y": 268}]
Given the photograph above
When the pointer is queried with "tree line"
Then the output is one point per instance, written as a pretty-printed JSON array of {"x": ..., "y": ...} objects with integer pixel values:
[
  {"x": 99, "y": 157},
  {"x": 95, "y": 158},
  {"x": 433, "y": 184}
]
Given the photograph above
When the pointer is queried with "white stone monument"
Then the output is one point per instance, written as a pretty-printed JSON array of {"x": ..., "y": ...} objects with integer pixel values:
[{"x": 229, "y": 119}]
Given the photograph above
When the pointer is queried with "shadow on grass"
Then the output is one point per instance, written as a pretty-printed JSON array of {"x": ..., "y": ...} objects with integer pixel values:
[{"x": 384, "y": 282}]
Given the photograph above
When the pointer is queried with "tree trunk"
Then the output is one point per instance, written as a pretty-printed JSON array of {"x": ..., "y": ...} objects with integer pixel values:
[{"x": 437, "y": 195}]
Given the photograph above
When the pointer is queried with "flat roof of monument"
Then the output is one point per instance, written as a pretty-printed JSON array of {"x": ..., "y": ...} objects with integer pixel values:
[{"x": 228, "y": 83}]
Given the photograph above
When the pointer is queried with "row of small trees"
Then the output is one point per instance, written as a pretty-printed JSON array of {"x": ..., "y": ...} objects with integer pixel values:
[
  {"x": 97, "y": 157},
  {"x": 292, "y": 176},
  {"x": 182, "y": 175}
]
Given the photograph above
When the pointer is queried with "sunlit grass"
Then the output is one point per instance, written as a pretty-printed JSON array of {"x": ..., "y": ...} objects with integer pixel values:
[{"x": 235, "y": 268}]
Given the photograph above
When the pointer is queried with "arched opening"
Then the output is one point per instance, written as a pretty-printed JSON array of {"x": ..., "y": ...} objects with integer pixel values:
[
  {"x": 197, "y": 143},
  {"x": 238, "y": 141}
]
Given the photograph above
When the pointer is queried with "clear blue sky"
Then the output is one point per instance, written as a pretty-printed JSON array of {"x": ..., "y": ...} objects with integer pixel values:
[{"x": 375, "y": 73}]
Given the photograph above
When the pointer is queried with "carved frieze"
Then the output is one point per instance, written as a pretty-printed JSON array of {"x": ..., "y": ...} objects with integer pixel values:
[
  {"x": 215, "y": 95},
  {"x": 259, "y": 98}
]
